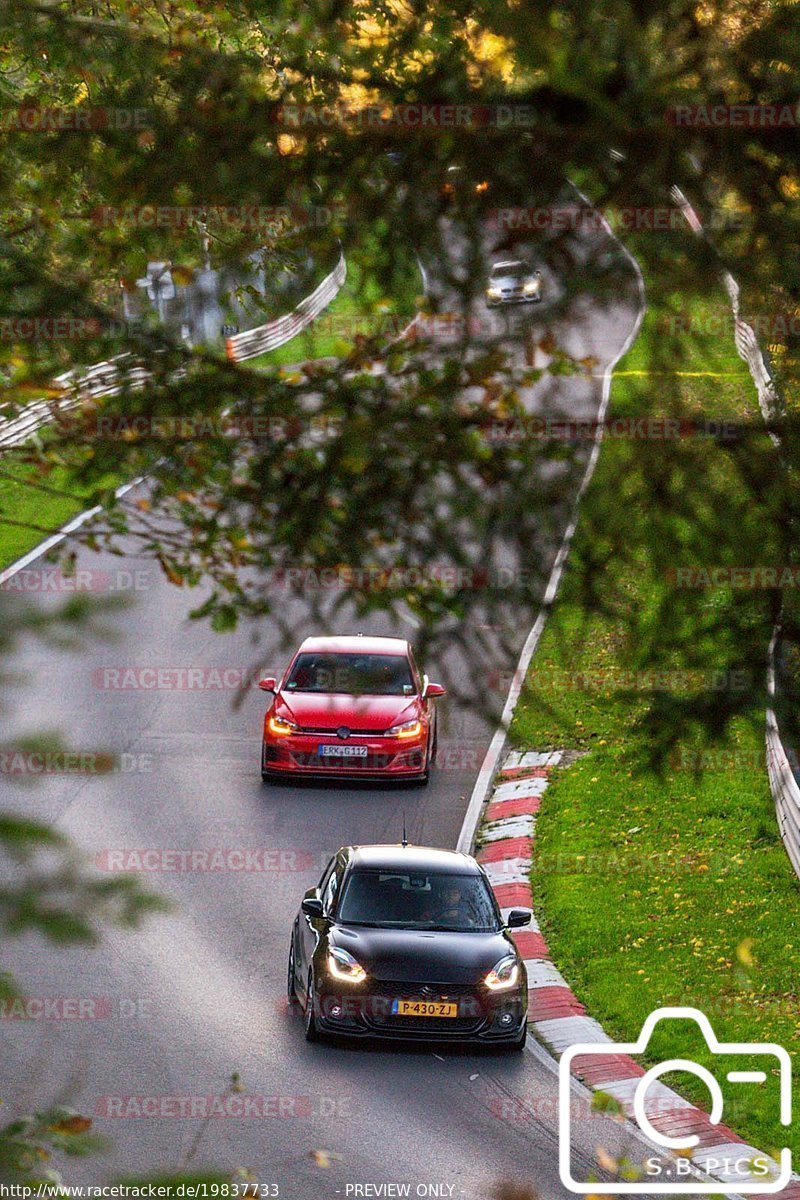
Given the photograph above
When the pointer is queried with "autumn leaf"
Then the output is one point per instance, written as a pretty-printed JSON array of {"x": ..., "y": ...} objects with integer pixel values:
[
  {"x": 169, "y": 570},
  {"x": 324, "y": 1158},
  {"x": 72, "y": 1125},
  {"x": 744, "y": 952},
  {"x": 606, "y": 1160}
]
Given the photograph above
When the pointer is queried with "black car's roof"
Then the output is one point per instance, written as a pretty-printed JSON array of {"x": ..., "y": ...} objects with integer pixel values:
[{"x": 415, "y": 858}]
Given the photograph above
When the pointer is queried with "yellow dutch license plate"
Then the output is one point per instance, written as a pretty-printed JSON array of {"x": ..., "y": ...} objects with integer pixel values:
[{"x": 424, "y": 1008}]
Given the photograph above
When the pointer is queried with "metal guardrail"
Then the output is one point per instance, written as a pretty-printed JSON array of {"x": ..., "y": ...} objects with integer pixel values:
[
  {"x": 103, "y": 379},
  {"x": 18, "y": 429},
  {"x": 253, "y": 342},
  {"x": 783, "y": 779},
  {"x": 110, "y": 377},
  {"x": 749, "y": 350}
]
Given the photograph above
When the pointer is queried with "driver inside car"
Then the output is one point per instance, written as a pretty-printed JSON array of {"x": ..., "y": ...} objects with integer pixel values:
[{"x": 450, "y": 908}]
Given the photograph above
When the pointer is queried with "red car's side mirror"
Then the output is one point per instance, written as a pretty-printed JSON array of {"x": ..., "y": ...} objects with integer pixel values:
[
  {"x": 268, "y": 685},
  {"x": 435, "y": 689}
]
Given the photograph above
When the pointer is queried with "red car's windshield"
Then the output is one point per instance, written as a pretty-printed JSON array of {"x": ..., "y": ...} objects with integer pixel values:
[{"x": 352, "y": 674}]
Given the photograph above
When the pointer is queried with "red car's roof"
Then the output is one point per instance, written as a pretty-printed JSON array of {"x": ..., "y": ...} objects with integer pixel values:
[{"x": 356, "y": 644}]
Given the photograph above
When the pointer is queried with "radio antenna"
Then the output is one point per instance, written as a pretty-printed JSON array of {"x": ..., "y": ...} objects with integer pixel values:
[{"x": 405, "y": 839}]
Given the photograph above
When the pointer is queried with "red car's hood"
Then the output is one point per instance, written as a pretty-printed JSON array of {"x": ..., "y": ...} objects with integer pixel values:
[{"x": 356, "y": 712}]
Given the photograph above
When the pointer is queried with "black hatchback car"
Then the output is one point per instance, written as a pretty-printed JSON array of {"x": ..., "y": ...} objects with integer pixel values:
[{"x": 407, "y": 942}]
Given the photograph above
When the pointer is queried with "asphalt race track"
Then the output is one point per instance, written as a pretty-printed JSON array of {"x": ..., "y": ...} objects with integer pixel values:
[{"x": 175, "y": 1009}]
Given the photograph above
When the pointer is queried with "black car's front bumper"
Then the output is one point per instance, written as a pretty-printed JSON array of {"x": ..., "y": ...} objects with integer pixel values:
[{"x": 483, "y": 1016}]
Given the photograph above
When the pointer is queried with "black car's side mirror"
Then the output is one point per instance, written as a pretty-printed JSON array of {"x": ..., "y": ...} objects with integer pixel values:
[
  {"x": 518, "y": 917},
  {"x": 312, "y": 907}
]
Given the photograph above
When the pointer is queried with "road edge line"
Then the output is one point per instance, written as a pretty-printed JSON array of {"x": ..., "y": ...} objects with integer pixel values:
[
  {"x": 488, "y": 767},
  {"x": 63, "y": 533}
]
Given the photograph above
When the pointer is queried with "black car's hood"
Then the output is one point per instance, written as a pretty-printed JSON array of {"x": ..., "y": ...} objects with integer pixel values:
[{"x": 422, "y": 956}]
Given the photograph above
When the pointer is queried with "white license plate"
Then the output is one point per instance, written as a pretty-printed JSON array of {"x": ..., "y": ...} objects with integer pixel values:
[{"x": 340, "y": 751}]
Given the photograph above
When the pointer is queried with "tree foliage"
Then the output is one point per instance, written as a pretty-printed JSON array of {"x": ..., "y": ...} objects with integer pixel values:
[{"x": 386, "y": 459}]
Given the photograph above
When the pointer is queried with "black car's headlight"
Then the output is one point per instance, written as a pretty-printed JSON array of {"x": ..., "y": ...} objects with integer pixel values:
[
  {"x": 504, "y": 974},
  {"x": 343, "y": 966}
]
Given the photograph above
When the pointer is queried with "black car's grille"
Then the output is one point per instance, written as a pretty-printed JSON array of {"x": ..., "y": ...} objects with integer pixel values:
[
  {"x": 472, "y": 1011},
  {"x": 443, "y": 1026}
]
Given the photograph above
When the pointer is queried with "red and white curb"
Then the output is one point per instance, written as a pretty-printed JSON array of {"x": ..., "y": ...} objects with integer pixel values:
[{"x": 555, "y": 1013}]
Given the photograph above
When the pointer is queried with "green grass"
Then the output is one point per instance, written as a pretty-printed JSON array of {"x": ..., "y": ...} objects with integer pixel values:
[
  {"x": 368, "y": 305},
  {"x": 376, "y": 299},
  {"x": 655, "y": 883},
  {"x": 28, "y": 514}
]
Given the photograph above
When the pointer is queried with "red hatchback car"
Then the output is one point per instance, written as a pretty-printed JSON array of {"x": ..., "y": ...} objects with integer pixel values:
[{"x": 351, "y": 708}]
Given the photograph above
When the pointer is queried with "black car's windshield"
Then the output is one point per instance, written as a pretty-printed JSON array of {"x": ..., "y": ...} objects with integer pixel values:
[
  {"x": 352, "y": 674},
  {"x": 391, "y": 899}
]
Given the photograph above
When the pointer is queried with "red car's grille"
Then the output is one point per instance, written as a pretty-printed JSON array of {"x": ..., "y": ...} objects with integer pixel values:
[
  {"x": 371, "y": 762},
  {"x": 331, "y": 732}
]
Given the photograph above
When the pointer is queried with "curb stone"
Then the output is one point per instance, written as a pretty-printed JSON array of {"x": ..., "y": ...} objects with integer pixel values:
[{"x": 555, "y": 1014}]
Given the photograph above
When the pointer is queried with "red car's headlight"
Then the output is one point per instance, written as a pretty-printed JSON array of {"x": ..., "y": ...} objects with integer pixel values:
[
  {"x": 281, "y": 727},
  {"x": 408, "y": 729}
]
